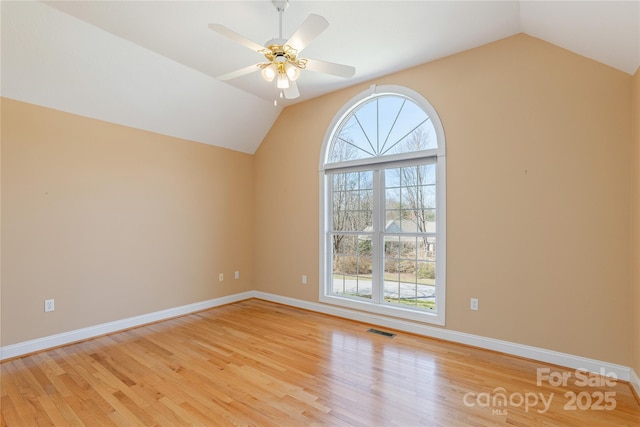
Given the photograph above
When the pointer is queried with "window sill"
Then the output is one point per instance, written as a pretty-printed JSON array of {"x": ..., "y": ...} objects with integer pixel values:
[{"x": 385, "y": 310}]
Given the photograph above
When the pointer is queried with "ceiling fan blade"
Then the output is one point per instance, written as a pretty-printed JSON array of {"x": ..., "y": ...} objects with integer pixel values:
[
  {"x": 238, "y": 73},
  {"x": 330, "y": 68},
  {"x": 292, "y": 91},
  {"x": 309, "y": 30},
  {"x": 232, "y": 35}
]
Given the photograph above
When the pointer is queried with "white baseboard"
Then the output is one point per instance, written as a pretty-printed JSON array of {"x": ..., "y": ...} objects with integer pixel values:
[
  {"x": 31, "y": 346},
  {"x": 621, "y": 372},
  {"x": 635, "y": 382},
  {"x": 548, "y": 356}
]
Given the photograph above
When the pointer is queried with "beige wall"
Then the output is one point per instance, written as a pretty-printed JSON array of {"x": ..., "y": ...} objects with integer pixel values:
[
  {"x": 114, "y": 222},
  {"x": 546, "y": 251},
  {"x": 636, "y": 220}
]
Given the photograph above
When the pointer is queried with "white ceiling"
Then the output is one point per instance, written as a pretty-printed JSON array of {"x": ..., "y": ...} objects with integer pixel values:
[{"x": 151, "y": 64}]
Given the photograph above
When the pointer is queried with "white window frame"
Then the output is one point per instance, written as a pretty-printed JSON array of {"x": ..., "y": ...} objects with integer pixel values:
[{"x": 437, "y": 155}]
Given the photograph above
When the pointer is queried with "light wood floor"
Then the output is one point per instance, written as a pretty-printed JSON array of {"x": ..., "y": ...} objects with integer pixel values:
[{"x": 258, "y": 363}]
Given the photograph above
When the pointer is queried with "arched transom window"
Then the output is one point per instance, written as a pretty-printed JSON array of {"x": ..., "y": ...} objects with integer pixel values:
[{"x": 383, "y": 210}]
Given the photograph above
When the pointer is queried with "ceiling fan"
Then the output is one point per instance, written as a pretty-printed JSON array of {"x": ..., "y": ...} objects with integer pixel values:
[{"x": 283, "y": 63}]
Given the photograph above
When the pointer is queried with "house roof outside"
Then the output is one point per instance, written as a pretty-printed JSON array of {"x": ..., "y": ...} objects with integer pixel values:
[{"x": 406, "y": 229}]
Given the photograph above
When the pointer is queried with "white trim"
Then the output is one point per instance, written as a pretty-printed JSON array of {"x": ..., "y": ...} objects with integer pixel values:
[
  {"x": 31, "y": 346},
  {"x": 356, "y": 303},
  {"x": 539, "y": 354},
  {"x": 322, "y": 273},
  {"x": 624, "y": 373},
  {"x": 634, "y": 380},
  {"x": 441, "y": 233},
  {"x": 396, "y": 159}
]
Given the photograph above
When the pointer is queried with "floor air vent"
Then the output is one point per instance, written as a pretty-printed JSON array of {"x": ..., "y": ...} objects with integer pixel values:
[{"x": 386, "y": 334}]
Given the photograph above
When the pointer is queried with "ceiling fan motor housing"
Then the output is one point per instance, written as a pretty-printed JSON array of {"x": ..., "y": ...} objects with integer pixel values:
[{"x": 275, "y": 42}]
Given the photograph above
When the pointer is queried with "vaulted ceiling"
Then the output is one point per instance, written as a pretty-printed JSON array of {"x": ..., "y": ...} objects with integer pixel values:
[{"x": 152, "y": 64}]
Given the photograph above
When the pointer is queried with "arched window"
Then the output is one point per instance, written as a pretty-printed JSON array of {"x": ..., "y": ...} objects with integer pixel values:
[{"x": 383, "y": 207}]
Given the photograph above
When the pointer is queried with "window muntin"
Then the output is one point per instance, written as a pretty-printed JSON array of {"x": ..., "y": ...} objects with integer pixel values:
[
  {"x": 382, "y": 180},
  {"x": 350, "y": 235},
  {"x": 382, "y": 126},
  {"x": 409, "y": 236}
]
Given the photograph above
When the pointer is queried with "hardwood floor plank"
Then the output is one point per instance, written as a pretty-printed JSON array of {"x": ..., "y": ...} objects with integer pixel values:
[
  {"x": 256, "y": 363},
  {"x": 9, "y": 415},
  {"x": 59, "y": 411},
  {"x": 85, "y": 400}
]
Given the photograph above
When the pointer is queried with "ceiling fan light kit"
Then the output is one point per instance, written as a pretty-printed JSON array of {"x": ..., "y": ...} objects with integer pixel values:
[
  {"x": 269, "y": 72},
  {"x": 283, "y": 64},
  {"x": 283, "y": 81}
]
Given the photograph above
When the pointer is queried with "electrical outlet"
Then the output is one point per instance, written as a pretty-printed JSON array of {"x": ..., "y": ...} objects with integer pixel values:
[
  {"x": 49, "y": 305},
  {"x": 220, "y": 277},
  {"x": 304, "y": 279},
  {"x": 474, "y": 304},
  {"x": 237, "y": 275}
]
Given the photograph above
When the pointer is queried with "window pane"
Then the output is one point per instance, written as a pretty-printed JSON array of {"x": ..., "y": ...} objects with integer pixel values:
[
  {"x": 389, "y": 106},
  {"x": 410, "y": 199},
  {"x": 409, "y": 280},
  {"x": 384, "y": 125},
  {"x": 409, "y": 241},
  {"x": 426, "y": 249},
  {"x": 416, "y": 137},
  {"x": 352, "y": 265},
  {"x": 353, "y": 142},
  {"x": 352, "y": 201},
  {"x": 411, "y": 249},
  {"x": 391, "y": 247},
  {"x": 427, "y": 174}
]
